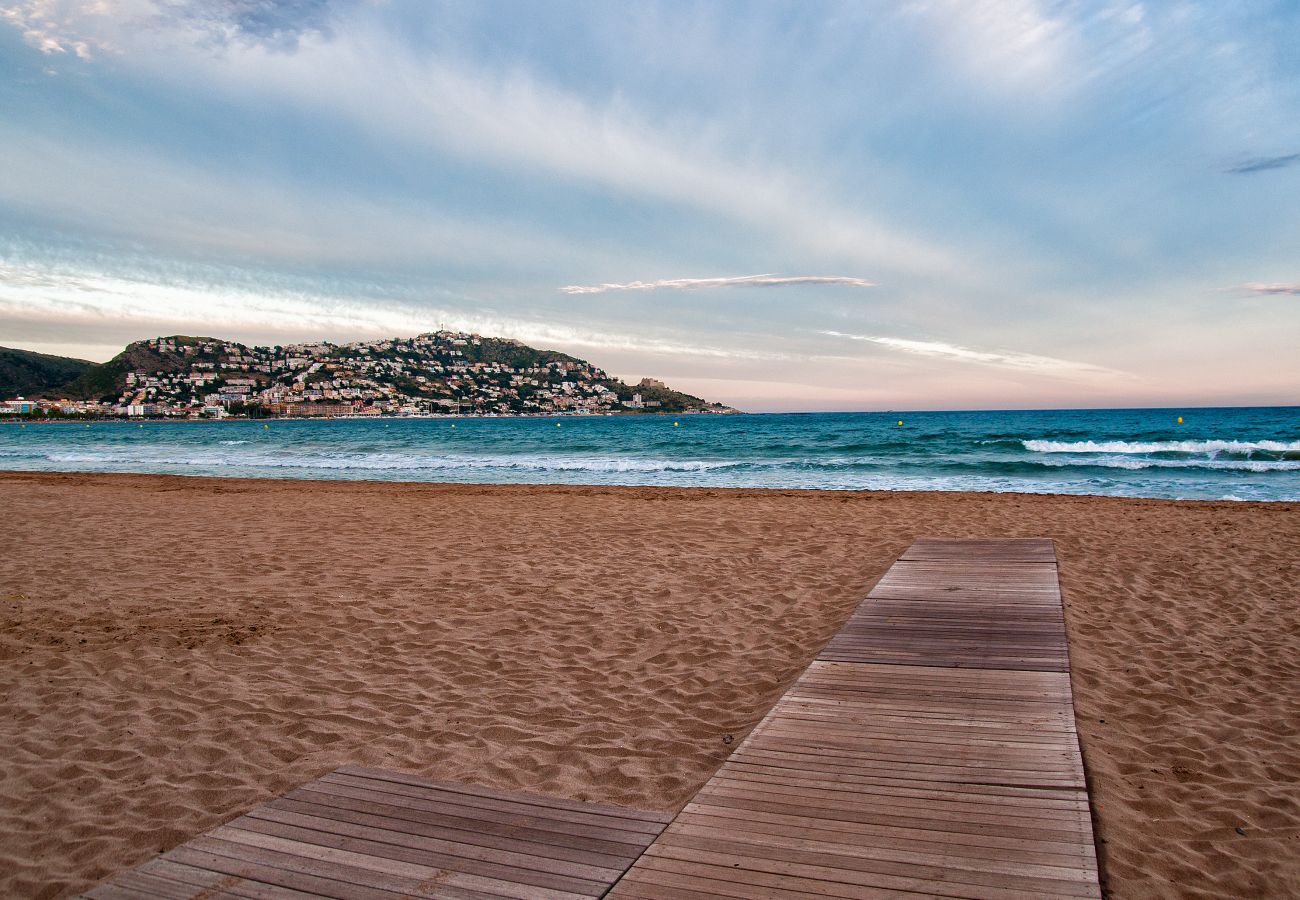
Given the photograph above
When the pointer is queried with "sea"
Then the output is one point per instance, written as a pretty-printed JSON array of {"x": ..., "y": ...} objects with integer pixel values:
[{"x": 1214, "y": 454}]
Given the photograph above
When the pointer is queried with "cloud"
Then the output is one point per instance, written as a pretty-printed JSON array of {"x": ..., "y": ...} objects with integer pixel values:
[
  {"x": 732, "y": 281},
  {"x": 513, "y": 119},
  {"x": 277, "y": 24},
  {"x": 70, "y": 26},
  {"x": 1263, "y": 164},
  {"x": 1292, "y": 288},
  {"x": 1006, "y": 359},
  {"x": 510, "y": 118},
  {"x": 79, "y": 303},
  {"x": 997, "y": 42},
  {"x": 126, "y": 193},
  {"x": 83, "y": 26}
]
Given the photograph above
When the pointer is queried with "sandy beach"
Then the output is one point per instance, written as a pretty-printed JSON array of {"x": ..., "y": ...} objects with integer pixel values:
[{"x": 174, "y": 651}]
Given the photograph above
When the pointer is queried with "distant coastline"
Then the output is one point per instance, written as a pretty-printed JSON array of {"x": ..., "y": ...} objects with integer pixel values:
[
  {"x": 74, "y": 418},
  {"x": 439, "y": 372}
]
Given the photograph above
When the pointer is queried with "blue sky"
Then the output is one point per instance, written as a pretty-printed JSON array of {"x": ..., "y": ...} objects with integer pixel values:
[{"x": 950, "y": 203}]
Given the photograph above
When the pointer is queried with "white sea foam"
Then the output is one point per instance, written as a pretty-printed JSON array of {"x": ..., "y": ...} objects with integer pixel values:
[
  {"x": 1225, "y": 465},
  {"x": 530, "y": 463},
  {"x": 1161, "y": 446},
  {"x": 391, "y": 461},
  {"x": 91, "y": 456},
  {"x": 599, "y": 465}
]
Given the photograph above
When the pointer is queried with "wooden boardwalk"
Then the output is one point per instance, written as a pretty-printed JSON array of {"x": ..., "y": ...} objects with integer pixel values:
[
  {"x": 368, "y": 834},
  {"x": 929, "y": 750}
]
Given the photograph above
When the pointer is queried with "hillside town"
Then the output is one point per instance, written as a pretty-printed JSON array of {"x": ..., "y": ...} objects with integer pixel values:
[{"x": 440, "y": 373}]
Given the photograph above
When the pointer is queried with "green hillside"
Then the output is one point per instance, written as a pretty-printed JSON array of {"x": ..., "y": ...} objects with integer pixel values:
[
  {"x": 500, "y": 351},
  {"x": 23, "y": 372}
]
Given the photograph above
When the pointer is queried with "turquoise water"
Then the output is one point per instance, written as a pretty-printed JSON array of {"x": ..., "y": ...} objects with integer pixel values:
[{"x": 1242, "y": 454}]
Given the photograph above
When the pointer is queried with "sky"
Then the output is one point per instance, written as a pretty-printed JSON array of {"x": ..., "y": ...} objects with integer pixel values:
[{"x": 921, "y": 204}]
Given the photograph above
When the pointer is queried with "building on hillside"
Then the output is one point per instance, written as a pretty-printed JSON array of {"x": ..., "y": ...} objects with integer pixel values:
[{"x": 18, "y": 406}]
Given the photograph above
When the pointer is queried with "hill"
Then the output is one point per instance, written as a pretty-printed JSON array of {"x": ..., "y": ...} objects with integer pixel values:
[
  {"x": 442, "y": 371},
  {"x": 24, "y": 372},
  {"x": 106, "y": 381}
]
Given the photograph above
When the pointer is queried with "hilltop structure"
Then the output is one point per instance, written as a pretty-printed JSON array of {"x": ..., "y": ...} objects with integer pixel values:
[{"x": 441, "y": 372}]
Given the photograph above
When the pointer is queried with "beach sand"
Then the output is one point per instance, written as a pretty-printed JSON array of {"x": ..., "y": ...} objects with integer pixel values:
[{"x": 177, "y": 650}]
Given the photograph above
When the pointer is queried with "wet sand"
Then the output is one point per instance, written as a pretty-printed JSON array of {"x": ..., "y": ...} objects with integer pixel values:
[{"x": 174, "y": 651}]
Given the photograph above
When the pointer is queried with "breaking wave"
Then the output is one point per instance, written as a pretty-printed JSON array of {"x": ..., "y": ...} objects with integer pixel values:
[
  {"x": 1226, "y": 465},
  {"x": 1245, "y": 448},
  {"x": 614, "y": 465},
  {"x": 379, "y": 462}
]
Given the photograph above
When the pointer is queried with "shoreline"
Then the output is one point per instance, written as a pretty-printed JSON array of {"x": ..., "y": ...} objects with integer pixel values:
[
  {"x": 18, "y": 474},
  {"x": 176, "y": 649},
  {"x": 582, "y": 487}
]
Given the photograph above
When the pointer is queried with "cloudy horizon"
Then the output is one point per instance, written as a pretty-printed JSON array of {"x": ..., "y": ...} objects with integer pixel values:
[{"x": 779, "y": 207}]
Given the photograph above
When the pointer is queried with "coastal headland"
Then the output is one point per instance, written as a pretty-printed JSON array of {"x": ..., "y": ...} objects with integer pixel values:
[
  {"x": 176, "y": 650},
  {"x": 438, "y": 373}
]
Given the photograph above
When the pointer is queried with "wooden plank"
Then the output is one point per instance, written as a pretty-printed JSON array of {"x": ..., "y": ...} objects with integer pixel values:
[
  {"x": 265, "y": 819},
  {"x": 214, "y": 855},
  {"x": 409, "y": 865},
  {"x": 1025, "y": 550},
  {"x": 391, "y": 846},
  {"x": 128, "y": 891},
  {"x": 333, "y": 818},
  {"x": 482, "y": 819},
  {"x": 694, "y": 879},
  {"x": 600, "y": 819},
  {"x": 929, "y": 750},
  {"x": 840, "y": 853},
  {"x": 478, "y": 792},
  {"x": 249, "y": 881},
  {"x": 935, "y": 818},
  {"x": 1012, "y": 580},
  {"x": 866, "y": 880},
  {"x": 1025, "y": 802},
  {"x": 369, "y": 834},
  {"x": 976, "y": 846},
  {"x": 481, "y": 832},
  {"x": 954, "y": 659}
]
